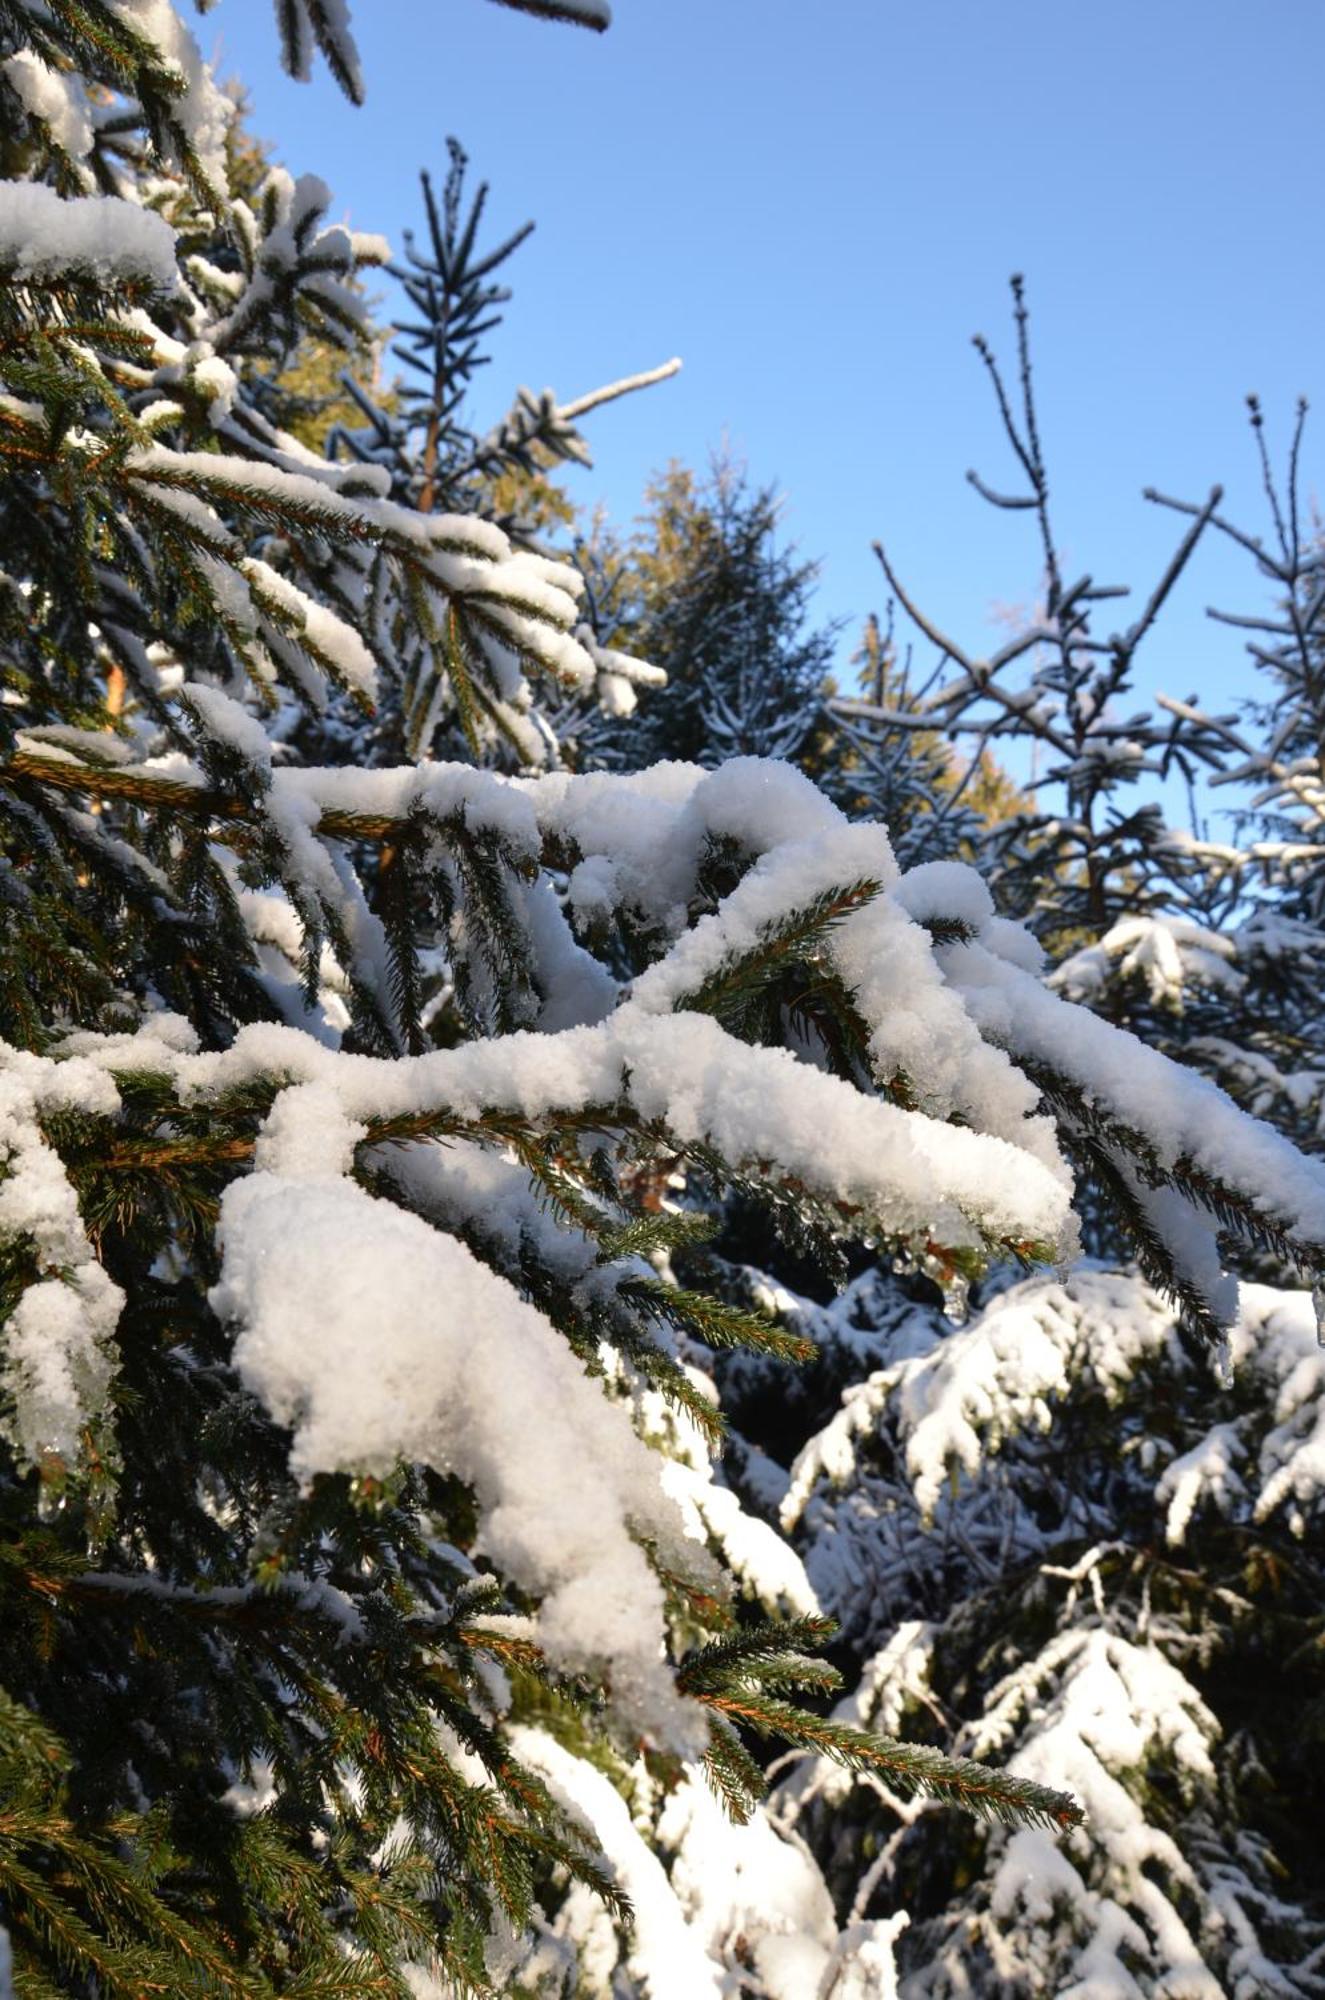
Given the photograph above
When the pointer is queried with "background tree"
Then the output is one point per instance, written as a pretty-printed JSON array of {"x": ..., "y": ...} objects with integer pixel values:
[
  {"x": 936, "y": 804},
  {"x": 709, "y": 599},
  {"x": 1037, "y": 1519},
  {"x": 1093, "y": 852},
  {"x": 418, "y": 437},
  {"x": 1240, "y": 996},
  {"x": 1048, "y": 1530}
]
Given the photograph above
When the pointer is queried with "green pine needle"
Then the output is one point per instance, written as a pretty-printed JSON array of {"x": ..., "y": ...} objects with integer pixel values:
[
  {"x": 713, "y": 1321},
  {"x": 736, "y": 992}
]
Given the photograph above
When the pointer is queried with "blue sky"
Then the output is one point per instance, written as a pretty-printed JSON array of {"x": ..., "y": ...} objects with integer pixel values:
[{"x": 817, "y": 206}]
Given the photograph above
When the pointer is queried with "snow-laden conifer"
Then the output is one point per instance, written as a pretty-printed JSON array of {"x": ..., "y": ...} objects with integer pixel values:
[
  {"x": 355, "y": 1422},
  {"x": 1042, "y": 1532},
  {"x": 1234, "y": 985},
  {"x": 1088, "y": 848},
  {"x": 418, "y": 439},
  {"x": 276, "y": 1360},
  {"x": 704, "y": 592},
  {"x": 1042, "y": 1526}
]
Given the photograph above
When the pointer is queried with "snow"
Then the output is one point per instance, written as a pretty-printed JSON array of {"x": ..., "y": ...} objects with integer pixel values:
[
  {"x": 57, "y": 1363},
  {"x": 332, "y": 642},
  {"x": 619, "y": 674},
  {"x": 638, "y": 842},
  {"x": 651, "y": 840},
  {"x": 202, "y": 112},
  {"x": 616, "y": 696},
  {"x": 314, "y": 1594},
  {"x": 1193, "y": 1248},
  {"x": 1103, "y": 1706},
  {"x": 246, "y": 480},
  {"x": 756, "y": 1106},
  {"x": 56, "y": 1356},
  {"x": 50, "y": 749},
  {"x": 232, "y": 600},
  {"x": 1207, "y": 1470},
  {"x": 97, "y": 237},
  {"x": 521, "y": 610},
  {"x": 59, "y": 102},
  {"x": 762, "y": 804},
  {"x": 783, "y": 882},
  {"x": 863, "y": 1965},
  {"x": 577, "y": 988},
  {"x": 895, "y": 1679},
  {"x": 719, "y": 1908},
  {"x": 205, "y": 525},
  {"x": 92, "y": 1059},
  {"x": 665, "y": 1949},
  {"x": 768, "y": 1570},
  {"x": 961, "y": 1396},
  {"x": 442, "y": 791},
  {"x": 278, "y": 937},
  {"x": 924, "y": 1033},
  {"x": 396, "y": 1372},
  {"x": 465, "y": 1187},
  {"x": 62, "y": 739},
  {"x": 1187, "y": 1120},
  {"x": 747, "y": 1882},
  {"x": 216, "y": 378},
  {"x": 1033, "y": 1875},
  {"x": 296, "y": 253},
  {"x": 946, "y": 889},
  {"x": 222, "y": 720},
  {"x": 1277, "y": 1340},
  {"x": 1168, "y": 953}
]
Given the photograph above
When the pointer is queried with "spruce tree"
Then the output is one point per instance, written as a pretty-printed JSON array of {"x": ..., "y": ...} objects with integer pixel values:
[
  {"x": 1240, "y": 998},
  {"x": 360, "y": 1520},
  {"x": 1037, "y": 1519},
  {"x": 422, "y": 437},
  {"x": 418, "y": 437},
  {"x": 704, "y": 594},
  {"x": 1047, "y": 1534},
  {"x": 255, "y": 1677},
  {"x": 1091, "y": 851},
  {"x": 881, "y": 761}
]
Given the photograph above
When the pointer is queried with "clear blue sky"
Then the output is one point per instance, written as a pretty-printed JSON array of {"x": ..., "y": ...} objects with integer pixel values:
[{"x": 815, "y": 206}]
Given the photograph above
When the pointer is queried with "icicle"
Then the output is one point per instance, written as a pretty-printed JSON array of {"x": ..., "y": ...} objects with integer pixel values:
[
  {"x": 1318, "y": 1304},
  {"x": 956, "y": 1296},
  {"x": 1221, "y": 1362}
]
